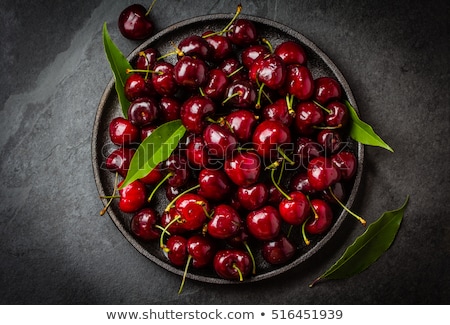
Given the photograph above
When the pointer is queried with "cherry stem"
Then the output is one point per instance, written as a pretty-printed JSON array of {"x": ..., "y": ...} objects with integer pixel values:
[
  {"x": 227, "y": 27},
  {"x": 318, "y": 127},
  {"x": 290, "y": 103},
  {"x": 241, "y": 277},
  {"x": 164, "y": 231},
  {"x": 238, "y": 93},
  {"x": 128, "y": 71},
  {"x": 184, "y": 274},
  {"x": 177, "y": 51},
  {"x": 112, "y": 197},
  {"x": 363, "y": 222},
  {"x": 179, "y": 195},
  {"x": 150, "y": 8},
  {"x": 289, "y": 231},
  {"x": 272, "y": 174},
  {"x": 216, "y": 33},
  {"x": 283, "y": 163},
  {"x": 260, "y": 91},
  {"x": 266, "y": 41},
  {"x": 305, "y": 239},
  {"x": 170, "y": 174},
  {"x": 251, "y": 256},
  {"x": 281, "y": 152},
  {"x": 322, "y": 107},
  {"x": 235, "y": 71},
  {"x": 316, "y": 216}
]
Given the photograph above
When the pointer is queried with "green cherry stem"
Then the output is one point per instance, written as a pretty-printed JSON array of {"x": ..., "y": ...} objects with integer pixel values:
[
  {"x": 227, "y": 27},
  {"x": 241, "y": 277},
  {"x": 170, "y": 174},
  {"x": 251, "y": 256},
  {"x": 363, "y": 222},
  {"x": 112, "y": 197},
  {"x": 305, "y": 238},
  {"x": 164, "y": 231},
  {"x": 272, "y": 175},
  {"x": 322, "y": 107},
  {"x": 282, "y": 153},
  {"x": 184, "y": 274},
  {"x": 150, "y": 8}
]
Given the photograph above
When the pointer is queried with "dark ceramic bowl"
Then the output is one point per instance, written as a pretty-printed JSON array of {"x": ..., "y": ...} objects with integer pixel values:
[{"x": 319, "y": 64}]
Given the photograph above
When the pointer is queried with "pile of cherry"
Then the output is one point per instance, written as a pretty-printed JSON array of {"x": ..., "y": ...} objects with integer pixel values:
[{"x": 264, "y": 165}]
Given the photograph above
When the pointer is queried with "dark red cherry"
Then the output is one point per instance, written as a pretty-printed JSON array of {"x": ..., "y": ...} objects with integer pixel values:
[
  {"x": 176, "y": 247},
  {"x": 279, "y": 111},
  {"x": 171, "y": 221},
  {"x": 326, "y": 90},
  {"x": 291, "y": 53},
  {"x": 339, "y": 115},
  {"x": 220, "y": 46},
  {"x": 250, "y": 54},
  {"x": 214, "y": 184},
  {"x": 163, "y": 79},
  {"x": 219, "y": 140},
  {"x": 299, "y": 81},
  {"x": 146, "y": 59},
  {"x": 201, "y": 249},
  {"x": 338, "y": 190},
  {"x": 195, "y": 46},
  {"x": 269, "y": 136},
  {"x": 194, "y": 111},
  {"x": 254, "y": 196},
  {"x": 178, "y": 166},
  {"x": 320, "y": 224},
  {"x": 216, "y": 84},
  {"x": 278, "y": 251},
  {"x": 275, "y": 196},
  {"x": 322, "y": 173},
  {"x": 240, "y": 94},
  {"x": 169, "y": 109},
  {"x": 243, "y": 33},
  {"x": 123, "y": 133},
  {"x": 305, "y": 149},
  {"x": 300, "y": 182},
  {"x": 242, "y": 122},
  {"x": 264, "y": 223},
  {"x": 136, "y": 86},
  {"x": 330, "y": 140},
  {"x": 143, "y": 224},
  {"x": 232, "y": 264},
  {"x": 225, "y": 222},
  {"x": 197, "y": 153},
  {"x": 269, "y": 70},
  {"x": 347, "y": 163},
  {"x": 134, "y": 23},
  {"x": 190, "y": 72},
  {"x": 119, "y": 160},
  {"x": 193, "y": 209},
  {"x": 308, "y": 115},
  {"x": 296, "y": 210},
  {"x": 243, "y": 168},
  {"x": 143, "y": 111},
  {"x": 233, "y": 69},
  {"x": 132, "y": 197},
  {"x": 240, "y": 239}
]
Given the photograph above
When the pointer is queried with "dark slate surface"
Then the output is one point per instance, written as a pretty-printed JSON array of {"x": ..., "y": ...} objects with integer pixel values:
[{"x": 56, "y": 249}]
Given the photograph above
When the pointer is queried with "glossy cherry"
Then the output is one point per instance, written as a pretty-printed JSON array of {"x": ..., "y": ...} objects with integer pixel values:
[
  {"x": 330, "y": 140},
  {"x": 338, "y": 116},
  {"x": 123, "y": 133},
  {"x": 326, "y": 90},
  {"x": 279, "y": 111},
  {"x": 194, "y": 111},
  {"x": 322, "y": 219},
  {"x": 307, "y": 116},
  {"x": 269, "y": 136},
  {"x": 242, "y": 32},
  {"x": 268, "y": 70},
  {"x": 137, "y": 86},
  {"x": 300, "y": 182},
  {"x": 195, "y": 46},
  {"x": 299, "y": 81},
  {"x": 214, "y": 184},
  {"x": 143, "y": 224},
  {"x": 177, "y": 165},
  {"x": 243, "y": 168},
  {"x": 252, "y": 53},
  {"x": 264, "y": 223},
  {"x": 220, "y": 46},
  {"x": 193, "y": 209},
  {"x": 171, "y": 221},
  {"x": 240, "y": 93},
  {"x": 216, "y": 84},
  {"x": 190, "y": 72},
  {"x": 176, "y": 248},
  {"x": 225, "y": 222},
  {"x": 134, "y": 23},
  {"x": 143, "y": 111},
  {"x": 242, "y": 122},
  {"x": 232, "y": 68},
  {"x": 119, "y": 160},
  {"x": 201, "y": 249},
  {"x": 254, "y": 196},
  {"x": 347, "y": 163},
  {"x": 153, "y": 177},
  {"x": 132, "y": 197},
  {"x": 232, "y": 264},
  {"x": 291, "y": 53},
  {"x": 322, "y": 173},
  {"x": 219, "y": 140},
  {"x": 146, "y": 59},
  {"x": 305, "y": 149},
  {"x": 169, "y": 108},
  {"x": 197, "y": 153},
  {"x": 295, "y": 210},
  {"x": 163, "y": 79},
  {"x": 279, "y": 250}
]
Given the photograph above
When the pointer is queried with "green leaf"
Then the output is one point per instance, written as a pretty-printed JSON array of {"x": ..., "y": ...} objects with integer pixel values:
[
  {"x": 156, "y": 148},
  {"x": 368, "y": 247},
  {"x": 363, "y": 132},
  {"x": 119, "y": 65}
]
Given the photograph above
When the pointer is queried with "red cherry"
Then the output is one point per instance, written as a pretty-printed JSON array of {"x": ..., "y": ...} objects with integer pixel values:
[
  {"x": 134, "y": 23},
  {"x": 300, "y": 182},
  {"x": 220, "y": 46},
  {"x": 178, "y": 166},
  {"x": 119, "y": 160},
  {"x": 163, "y": 79},
  {"x": 197, "y": 152},
  {"x": 322, "y": 173},
  {"x": 347, "y": 163},
  {"x": 219, "y": 140},
  {"x": 194, "y": 111},
  {"x": 154, "y": 177},
  {"x": 142, "y": 111},
  {"x": 225, "y": 222},
  {"x": 296, "y": 210},
  {"x": 322, "y": 222},
  {"x": 123, "y": 133},
  {"x": 172, "y": 222},
  {"x": 143, "y": 224},
  {"x": 269, "y": 136},
  {"x": 305, "y": 149},
  {"x": 243, "y": 32},
  {"x": 136, "y": 86},
  {"x": 132, "y": 197},
  {"x": 146, "y": 59},
  {"x": 190, "y": 72},
  {"x": 252, "y": 53},
  {"x": 278, "y": 251},
  {"x": 254, "y": 196},
  {"x": 269, "y": 70},
  {"x": 330, "y": 140},
  {"x": 216, "y": 84},
  {"x": 338, "y": 116},
  {"x": 307, "y": 115},
  {"x": 201, "y": 249},
  {"x": 326, "y": 90},
  {"x": 193, "y": 210},
  {"x": 299, "y": 82},
  {"x": 169, "y": 109},
  {"x": 195, "y": 46},
  {"x": 264, "y": 223},
  {"x": 291, "y": 53},
  {"x": 279, "y": 111},
  {"x": 232, "y": 264},
  {"x": 240, "y": 93},
  {"x": 176, "y": 247},
  {"x": 214, "y": 184},
  {"x": 243, "y": 168}
]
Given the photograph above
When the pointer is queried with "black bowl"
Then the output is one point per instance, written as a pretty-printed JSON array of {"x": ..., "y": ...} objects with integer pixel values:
[{"x": 319, "y": 64}]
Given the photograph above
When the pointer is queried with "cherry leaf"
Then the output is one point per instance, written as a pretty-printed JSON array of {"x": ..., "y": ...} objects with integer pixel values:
[
  {"x": 155, "y": 148},
  {"x": 368, "y": 247},
  {"x": 119, "y": 65},
  {"x": 363, "y": 132}
]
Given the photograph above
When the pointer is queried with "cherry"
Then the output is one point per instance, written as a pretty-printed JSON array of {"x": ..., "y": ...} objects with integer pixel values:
[
  {"x": 178, "y": 167},
  {"x": 305, "y": 149},
  {"x": 299, "y": 81},
  {"x": 219, "y": 140},
  {"x": 252, "y": 53},
  {"x": 142, "y": 111},
  {"x": 326, "y": 89},
  {"x": 163, "y": 79},
  {"x": 322, "y": 173},
  {"x": 296, "y": 209},
  {"x": 195, "y": 46},
  {"x": 214, "y": 184},
  {"x": 134, "y": 22},
  {"x": 242, "y": 122},
  {"x": 201, "y": 249},
  {"x": 225, "y": 222},
  {"x": 339, "y": 193},
  {"x": 269, "y": 71},
  {"x": 269, "y": 136},
  {"x": 279, "y": 250},
  {"x": 176, "y": 248},
  {"x": 300, "y": 182},
  {"x": 240, "y": 93},
  {"x": 264, "y": 223},
  {"x": 146, "y": 59},
  {"x": 197, "y": 152},
  {"x": 232, "y": 264},
  {"x": 254, "y": 196},
  {"x": 146, "y": 130},
  {"x": 347, "y": 163},
  {"x": 119, "y": 160},
  {"x": 232, "y": 68},
  {"x": 190, "y": 72},
  {"x": 172, "y": 222},
  {"x": 220, "y": 46},
  {"x": 243, "y": 168},
  {"x": 216, "y": 84},
  {"x": 240, "y": 239},
  {"x": 194, "y": 111},
  {"x": 291, "y": 53},
  {"x": 242, "y": 33},
  {"x": 169, "y": 109},
  {"x": 193, "y": 209},
  {"x": 330, "y": 140},
  {"x": 143, "y": 224},
  {"x": 136, "y": 86},
  {"x": 308, "y": 115},
  {"x": 123, "y": 133},
  {"x": 323, "y": 217},
  {"x": 275, "y": 196},
  {"x": 279, "y": 111},
  {"x": 338, "y": 116},
  {"x": 132, "y": 197}
]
